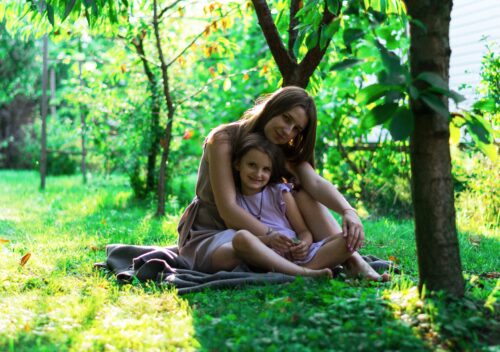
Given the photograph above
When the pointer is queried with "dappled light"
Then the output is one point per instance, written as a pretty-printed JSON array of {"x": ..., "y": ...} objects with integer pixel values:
[{"x": 130, "y": 215}]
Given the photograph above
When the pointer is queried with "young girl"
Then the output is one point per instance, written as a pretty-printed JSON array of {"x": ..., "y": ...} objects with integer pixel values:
[{"x": 257, "y": 165}]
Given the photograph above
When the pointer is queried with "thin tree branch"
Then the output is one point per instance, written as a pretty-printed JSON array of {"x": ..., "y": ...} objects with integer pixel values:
[
  {"x": 285, "y": 63},
  {"x": 210, "y": 82},
  {"x": 292, "y": 32},
  {"x": 162, "y": 12},
  {"x": 314, "y": 56},
  {"x": 171, "y": 62}
]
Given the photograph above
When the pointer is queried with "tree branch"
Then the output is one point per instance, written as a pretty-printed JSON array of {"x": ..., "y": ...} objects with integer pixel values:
[
  {"x": 282, "y": 58},
  {"x": 292, "y": 32},
  {"x": 314, "y": 56},
  {"x": 162, "y": 12},
  {"x": 171, "y": 62}
]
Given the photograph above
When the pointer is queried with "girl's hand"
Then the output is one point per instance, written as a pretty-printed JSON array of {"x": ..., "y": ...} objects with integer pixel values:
[
  {"x": 300, "y": 250},
  {"x": 279, "y": 242},
  {"x": 352, "y": 229}
]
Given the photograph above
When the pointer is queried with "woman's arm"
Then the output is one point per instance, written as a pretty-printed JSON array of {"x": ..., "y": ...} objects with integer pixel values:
[
  {"x": 328, "y": 195},
  {"x": 219, "y": 151}
]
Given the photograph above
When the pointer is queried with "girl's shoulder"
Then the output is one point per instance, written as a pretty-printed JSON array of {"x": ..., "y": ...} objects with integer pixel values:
[{"x": 279, "y": 188}]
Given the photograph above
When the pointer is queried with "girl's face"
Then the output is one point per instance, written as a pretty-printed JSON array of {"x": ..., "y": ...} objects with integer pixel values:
[
  {"x": 283, "y": 128},
  {"x": 255, "y": 169}
]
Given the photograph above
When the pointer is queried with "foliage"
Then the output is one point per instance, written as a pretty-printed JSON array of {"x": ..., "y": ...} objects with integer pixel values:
[
  {"x": 473, "y": 174},
  {"x": 56, "y": 301},
  {"x": 18, "y": 68}
]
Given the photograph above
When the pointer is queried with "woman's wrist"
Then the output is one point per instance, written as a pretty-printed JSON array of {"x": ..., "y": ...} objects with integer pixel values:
[
  {"x": 350, "y": 209},
  {"x": 269, "y": 231}
]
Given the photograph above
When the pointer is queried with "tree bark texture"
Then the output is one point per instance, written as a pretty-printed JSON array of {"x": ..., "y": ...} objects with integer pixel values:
[
  {"x": 165, "y": 143},
  {"x": 293, "y": 72},
  {"x": 83, "y": 128},
  {"x": 44, "y": 110},
  {"x": 432, "y": 185},
  {"x": 155, "y": 115}
]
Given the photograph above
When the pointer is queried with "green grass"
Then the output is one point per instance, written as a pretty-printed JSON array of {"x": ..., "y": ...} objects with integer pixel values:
[{"x": 58, "y": 302}]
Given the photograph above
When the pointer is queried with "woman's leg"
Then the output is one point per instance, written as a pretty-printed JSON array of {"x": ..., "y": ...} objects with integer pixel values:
[
  {"x": 250, "y": 249},
  {"x": 334, "y": 252},
  {"x": 317, "y": 217},
  {"x": 224, "y": 258},
  {"x": 356, "y": 266}
]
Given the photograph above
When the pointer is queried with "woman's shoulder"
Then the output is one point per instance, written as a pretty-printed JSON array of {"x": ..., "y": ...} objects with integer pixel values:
[{"x": 223, "y": 133}]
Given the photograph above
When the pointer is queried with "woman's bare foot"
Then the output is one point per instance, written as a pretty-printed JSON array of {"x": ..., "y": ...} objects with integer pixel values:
[
  {"x": 358, "y": 267},
  {"x": 326, "y": 273}
]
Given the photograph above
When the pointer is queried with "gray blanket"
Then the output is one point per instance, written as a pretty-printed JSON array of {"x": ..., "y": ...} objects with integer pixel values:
[{"x": 164, "y": 265}]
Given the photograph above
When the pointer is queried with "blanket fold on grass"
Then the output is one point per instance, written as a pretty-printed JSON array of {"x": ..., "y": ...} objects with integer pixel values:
[{"x": 164, "y": 265}]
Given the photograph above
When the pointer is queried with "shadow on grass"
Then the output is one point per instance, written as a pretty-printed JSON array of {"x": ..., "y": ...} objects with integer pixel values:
[{"x": 304, "y": 315}]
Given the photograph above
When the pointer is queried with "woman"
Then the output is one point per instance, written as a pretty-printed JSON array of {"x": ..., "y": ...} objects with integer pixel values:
[{"x": 286, "y": 118}]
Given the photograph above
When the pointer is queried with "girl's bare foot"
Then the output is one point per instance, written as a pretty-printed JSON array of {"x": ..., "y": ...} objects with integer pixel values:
[{"x": 326, "y": 273}]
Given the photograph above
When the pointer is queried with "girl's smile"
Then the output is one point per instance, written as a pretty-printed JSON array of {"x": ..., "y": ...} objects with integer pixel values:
[{"x": 255, "y": 169}]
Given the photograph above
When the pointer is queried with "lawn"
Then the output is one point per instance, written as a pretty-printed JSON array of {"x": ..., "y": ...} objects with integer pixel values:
[{"x": 51, "y": 298}]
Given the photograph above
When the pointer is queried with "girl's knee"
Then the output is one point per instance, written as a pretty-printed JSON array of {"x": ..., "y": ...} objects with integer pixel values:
[{"x": 241, "y": 240}]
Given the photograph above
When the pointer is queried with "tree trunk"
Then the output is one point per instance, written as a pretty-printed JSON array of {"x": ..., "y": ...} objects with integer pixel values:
[
  {"x": 44, "y": 108},
  {"x": 155, "y": 132},
  {"x": 432, "y": 185},
  {"x": 293, "y": 72},
  {"x": 83, "y": 127},
  {"x": 165, "y": 141},
  {"x": 52, "y": 92}
]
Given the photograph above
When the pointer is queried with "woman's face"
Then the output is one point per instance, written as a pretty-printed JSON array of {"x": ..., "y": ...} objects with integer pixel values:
[{"x": 283, "y": 128}]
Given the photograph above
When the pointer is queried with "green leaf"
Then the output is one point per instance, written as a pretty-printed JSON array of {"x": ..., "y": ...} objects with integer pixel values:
[
  {"x": 433, "y": 79},
  {"x": 484, "y": 105},
  {"x": 227, "y": 84},
  {"x": 402, "y": 123},
  {"x": 391, "y": 61},
  {"x": 323, "y": 40},
  {"x": 378, "y": 115},
  {"x": 373, "y": 92},
  {"x": 332, "y": 27},
  {"x": 342, "y": 65},
  {"x": 50, "y": 14},
  {"x": 312, "y": 40},
  {"x": 333, "y": 6},
  {"x": 435, "y": 103},
  {"x": 479, "y": 128},
  {"x": 350, "y": 35},
  {"x": 414, "y": 92},
  {"x": 69, "y": 7},
  {"x": 298, "y": 43}
]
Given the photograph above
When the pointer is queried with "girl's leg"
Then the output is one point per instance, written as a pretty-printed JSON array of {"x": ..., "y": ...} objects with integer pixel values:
[
  {"x": 333, "y": 252},
  {"x": 250, "y": 249},
  {"x": 224, "y": 258},
  {"x": 317, "y": 217}
]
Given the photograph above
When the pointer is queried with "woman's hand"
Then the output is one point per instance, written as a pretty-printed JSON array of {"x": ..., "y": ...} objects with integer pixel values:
[
  {"x": 352, "y": 229},
  {"x": 300, "y": 250},
  {"x": 279, "y": 242}
]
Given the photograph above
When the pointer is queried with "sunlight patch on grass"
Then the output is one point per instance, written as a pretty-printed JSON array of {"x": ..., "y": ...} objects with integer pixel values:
[{"x": 140, "y": 321}]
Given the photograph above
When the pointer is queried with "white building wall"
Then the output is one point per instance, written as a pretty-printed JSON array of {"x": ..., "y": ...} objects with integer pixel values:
[{"x": 471, "y": 21}]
